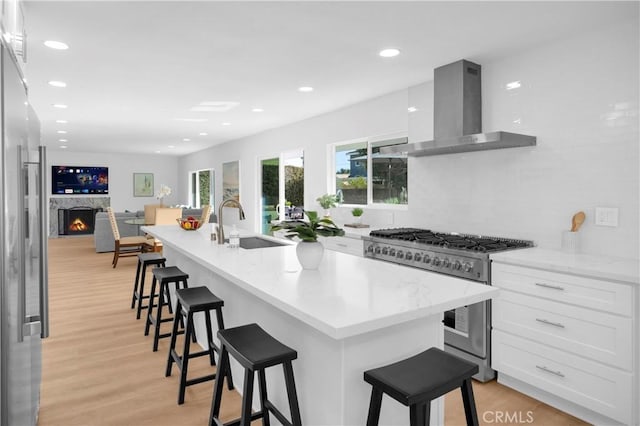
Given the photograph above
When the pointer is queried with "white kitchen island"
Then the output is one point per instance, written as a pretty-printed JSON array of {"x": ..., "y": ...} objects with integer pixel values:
[{"x": 350, "y": 315}]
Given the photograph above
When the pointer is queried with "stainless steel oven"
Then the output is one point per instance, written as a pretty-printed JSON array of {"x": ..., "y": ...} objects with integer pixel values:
[{"x": 467, "y": 328}]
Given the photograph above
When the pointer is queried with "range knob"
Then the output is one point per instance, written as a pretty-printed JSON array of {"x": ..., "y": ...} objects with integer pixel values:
[
  {"x": 446, "y": 262},
  {"x": 467, "y": 267},
  {"x": 400, "y": 254},
  {"x": 409, "y": 256},
  {"x": 436, "y": 261},
  {"x": 392, "y": 252},
  {"x": 385, "y": 250},
  {"x": 417, "y": 257},
  {"x": 457, "y": 265},
  {"x": 370, "y": 249},
  {"x": 426, "y": 259},
  {"x": 378, "y": 250}
]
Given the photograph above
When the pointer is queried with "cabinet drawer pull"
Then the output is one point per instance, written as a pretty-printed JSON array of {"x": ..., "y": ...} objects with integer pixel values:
[
  {"x": 555, "y": 324},
  {"x": 555, "y": 287},
  {"x": 543, "y": 368},
  {"x": 341, "y": 245}
]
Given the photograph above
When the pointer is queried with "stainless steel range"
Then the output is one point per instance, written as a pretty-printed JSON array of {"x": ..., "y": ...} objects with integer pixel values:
[{"x": 468, "y": 328}]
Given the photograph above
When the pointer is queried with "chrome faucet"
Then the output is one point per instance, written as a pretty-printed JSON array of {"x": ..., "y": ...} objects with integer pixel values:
[{"x": 240, "y": 215}]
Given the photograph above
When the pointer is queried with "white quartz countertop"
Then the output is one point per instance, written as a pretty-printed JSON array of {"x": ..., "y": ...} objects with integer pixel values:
[
  {"x": 347, "y": 296},
  {"x": 610, "y": 268}
]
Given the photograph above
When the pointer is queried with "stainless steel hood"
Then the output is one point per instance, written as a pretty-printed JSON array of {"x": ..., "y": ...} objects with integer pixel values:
[{"x": 457, "y": 116}]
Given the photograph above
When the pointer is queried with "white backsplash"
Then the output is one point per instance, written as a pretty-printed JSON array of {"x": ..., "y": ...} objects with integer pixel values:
[{"x": 580, "y": 98}]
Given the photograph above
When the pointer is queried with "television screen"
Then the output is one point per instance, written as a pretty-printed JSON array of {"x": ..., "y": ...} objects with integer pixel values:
[{"x": 79, "y": 180}]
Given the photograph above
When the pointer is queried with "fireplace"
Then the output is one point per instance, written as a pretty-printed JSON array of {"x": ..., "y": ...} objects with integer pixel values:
[{"x": 77, "y": 220}]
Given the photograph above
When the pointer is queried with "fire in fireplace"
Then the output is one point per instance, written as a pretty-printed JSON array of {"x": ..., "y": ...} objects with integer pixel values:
[{"x": 76, "y": 220}]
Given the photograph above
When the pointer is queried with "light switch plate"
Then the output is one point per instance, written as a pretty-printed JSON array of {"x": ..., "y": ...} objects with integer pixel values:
[{"x": 606, "y": 216}]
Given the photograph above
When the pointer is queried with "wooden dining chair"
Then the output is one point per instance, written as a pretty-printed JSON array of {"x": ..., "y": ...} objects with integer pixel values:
[
  {"x": 131, "y": 245},
  {"x": 150, "y": 213},
  {"x": 168, "y": 215}
]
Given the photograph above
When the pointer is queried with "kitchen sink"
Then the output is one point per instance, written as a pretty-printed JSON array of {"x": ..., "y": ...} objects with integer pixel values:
[{"x": 257, "y": 242}]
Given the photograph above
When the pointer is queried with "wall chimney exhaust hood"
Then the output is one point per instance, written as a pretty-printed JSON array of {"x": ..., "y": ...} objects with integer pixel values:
[{"x": 457, "y": 117}]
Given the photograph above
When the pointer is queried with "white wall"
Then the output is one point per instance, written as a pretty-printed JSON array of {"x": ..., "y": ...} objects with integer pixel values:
[
  {"x": 579, "y": 97},
  {"x": 121, "y": 169}
]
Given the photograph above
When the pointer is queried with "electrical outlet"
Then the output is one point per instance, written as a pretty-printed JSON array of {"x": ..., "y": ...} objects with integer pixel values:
[{"x": 606, "y": 216}]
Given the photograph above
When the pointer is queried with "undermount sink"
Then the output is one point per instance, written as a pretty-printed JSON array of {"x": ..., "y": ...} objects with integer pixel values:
[{"x": 257, "y": 242}]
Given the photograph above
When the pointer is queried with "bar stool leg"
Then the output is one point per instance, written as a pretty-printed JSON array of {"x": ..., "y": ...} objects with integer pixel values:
[
  {"x": 174, "y": 338},
  {"x": 469, "y": 403},
  {"x": 247, "y": 398},
  {"x": 418, "y": 414},
  {"x": 218, "y": 384},
  {"x": 185, "y": 357},
  {"x": 135, "y": 286},
  {"x": 207, "y": 320},
  {"x": 374, "y": 407},
  {"x": 262, "y": 382},
  {"x": 228, "y": 369},
  {"x": 151, "y": 301},
  {"x": 291, "y": 393},
  {"x": 156, "y": 334}
]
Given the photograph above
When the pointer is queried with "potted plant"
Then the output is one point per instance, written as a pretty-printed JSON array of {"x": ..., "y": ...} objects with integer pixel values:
[
  {"x": 309, "y": 250},
  {"x": 327, "y": 201},
  {"x": 357, "y": 212}
]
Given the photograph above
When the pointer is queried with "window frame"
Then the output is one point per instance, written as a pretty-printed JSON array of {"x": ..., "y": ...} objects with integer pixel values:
[
  {"x": 194, "y": 187},
  {"x": 370, "y": 141}
]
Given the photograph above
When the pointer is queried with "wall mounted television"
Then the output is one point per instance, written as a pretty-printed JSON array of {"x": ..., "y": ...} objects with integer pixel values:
[{"x": 79, "y": 180}]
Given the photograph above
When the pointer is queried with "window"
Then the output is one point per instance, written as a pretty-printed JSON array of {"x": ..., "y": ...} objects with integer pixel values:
[
  {"x": 366, "y": 176},
  {"x": 201, "y": 188},
  {"x": 282, "y": 181}
]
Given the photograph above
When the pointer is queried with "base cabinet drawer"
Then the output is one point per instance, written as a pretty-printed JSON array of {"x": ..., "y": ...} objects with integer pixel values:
[
  {"x": 601, "y": 388},
  {"x": 347, "y": 245},
  {"x": 597, "y": 335}
]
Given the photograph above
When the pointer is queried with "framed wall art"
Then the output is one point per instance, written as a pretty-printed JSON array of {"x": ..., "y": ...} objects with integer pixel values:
[
  {"x": 143, "y": 184},
  {"x": 231, "y": 180}
]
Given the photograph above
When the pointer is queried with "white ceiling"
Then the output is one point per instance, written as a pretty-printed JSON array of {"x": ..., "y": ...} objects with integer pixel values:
[{"x": 134, "y": 68}]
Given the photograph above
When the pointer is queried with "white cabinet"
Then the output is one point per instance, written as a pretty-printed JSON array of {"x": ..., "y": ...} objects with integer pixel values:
[
  {"x": 345, "y": 244},
  {"x": 569, "y": 340}
]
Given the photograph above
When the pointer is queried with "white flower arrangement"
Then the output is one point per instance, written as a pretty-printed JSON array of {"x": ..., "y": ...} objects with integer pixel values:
[{"x": 163, "y": 192}]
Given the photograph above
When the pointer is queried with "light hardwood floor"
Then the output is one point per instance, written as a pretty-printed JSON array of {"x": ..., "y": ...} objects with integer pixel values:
[{"x": 99, "y": 369}]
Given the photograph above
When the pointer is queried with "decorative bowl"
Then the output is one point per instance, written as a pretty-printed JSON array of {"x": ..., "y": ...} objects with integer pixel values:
[{"x": 189, "y": 224}]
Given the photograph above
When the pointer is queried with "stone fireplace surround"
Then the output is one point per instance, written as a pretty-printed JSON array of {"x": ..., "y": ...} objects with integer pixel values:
[{"x": 56, "y": 203}]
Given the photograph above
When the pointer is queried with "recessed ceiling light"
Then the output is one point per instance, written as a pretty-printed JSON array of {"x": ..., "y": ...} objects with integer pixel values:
[
  {"x": 58, "y": 45},
  {"x": 203, "y": 134},
  {"x": 61, "y": 121},
  {"x": 157, "y": 152},
  {"x": 57, "y": 83},
  {"x": 62, "y": 132},
  {"x": 171, "y": 146},
  {"x": 192, "y": 120},
  {"x": 62, "y": 140},
  {"x": 389, "y": 53},
  {"x": 513, "y": 85},
  {"x": 61, "y": 106},
  {"x": 257, "y": 110},
  {"x": 226, "y": 124},
  {"x": 186, "y": 140},
  {"x": 305, "y": 89},
  {"x": 412, "y": 109},
  {"x": 63, "y": 146}
]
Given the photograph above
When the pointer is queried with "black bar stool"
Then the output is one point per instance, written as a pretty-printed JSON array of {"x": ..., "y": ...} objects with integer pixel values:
[
  {"x": 165, "y": 276},
  {"x": 416, "y": 381},
  {"x": 144, "y": 260},
  {"x": 190, "y": 301},
  {"x": 255, "y": 350}
]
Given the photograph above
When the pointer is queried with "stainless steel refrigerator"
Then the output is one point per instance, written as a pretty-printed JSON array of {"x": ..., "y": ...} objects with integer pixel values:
[{"x": 23, "y": 250}]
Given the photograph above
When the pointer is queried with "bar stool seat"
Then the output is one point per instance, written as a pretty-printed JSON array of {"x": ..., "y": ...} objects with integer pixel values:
[
  {"x": 190, "y": 301},
  {"x": 164, "y": 276},
  {"x": 418, "y": 380},
  {"x": 144, "y": 260},
  {"x": 255, "y": 350}
]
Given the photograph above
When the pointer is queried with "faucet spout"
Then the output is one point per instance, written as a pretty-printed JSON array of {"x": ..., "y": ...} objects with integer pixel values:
[{"x": 241, "y": 216}]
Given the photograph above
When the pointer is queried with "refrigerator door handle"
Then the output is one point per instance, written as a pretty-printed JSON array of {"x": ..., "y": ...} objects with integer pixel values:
[{"x": 44, "y": 242}]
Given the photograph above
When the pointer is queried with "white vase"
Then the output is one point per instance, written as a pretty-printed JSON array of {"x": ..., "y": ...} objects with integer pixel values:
[
  {"x": 327, "y": 213},
  {"x": 309, "y": 254}
]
